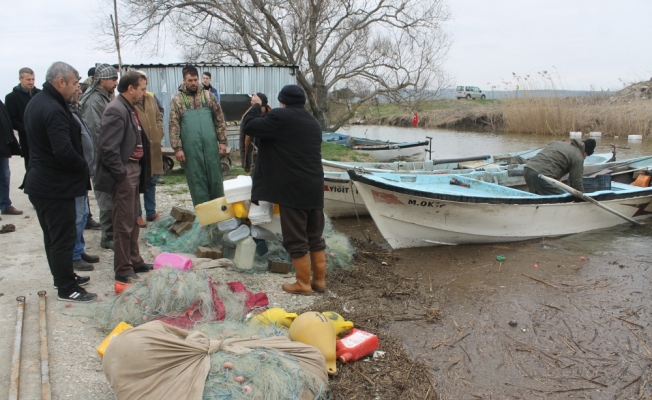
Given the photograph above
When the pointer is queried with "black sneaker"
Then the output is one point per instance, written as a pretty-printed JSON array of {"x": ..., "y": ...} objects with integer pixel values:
[
  {"x": 143, "y": 269},
  {"x": 76, "y": 294},
  {"x": 128, "y": 278},
  {"x": 93, "y": 225},
  {"x": 81, "y": 265},
  {"x": 106, "y": 244},
  {"x": 81, "y": 280},
  {"x": 90, "y": 258}
]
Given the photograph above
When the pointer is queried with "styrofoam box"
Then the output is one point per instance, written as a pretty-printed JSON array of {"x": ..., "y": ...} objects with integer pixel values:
[
  {"x": 575, "y": 134},
  {"x": 635, "y": 137},
  {"x": 238, "y": 189},
  {"x": 595, "y": 134}
]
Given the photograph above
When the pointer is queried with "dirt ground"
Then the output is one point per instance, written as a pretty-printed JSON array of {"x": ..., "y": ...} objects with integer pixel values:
[{"x": 442, "y": 315}]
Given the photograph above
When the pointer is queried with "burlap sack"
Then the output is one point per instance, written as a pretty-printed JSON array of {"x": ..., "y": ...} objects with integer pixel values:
[{"x": 159, "y": 361}]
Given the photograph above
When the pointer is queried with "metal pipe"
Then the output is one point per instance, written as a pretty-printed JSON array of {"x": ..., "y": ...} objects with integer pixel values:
[
  {"x": 14, "y": 381},
  {"x": 46, "y": 393}
]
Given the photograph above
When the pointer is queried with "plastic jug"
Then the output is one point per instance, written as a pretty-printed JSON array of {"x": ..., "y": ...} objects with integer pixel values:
[
  {"x": 261, "y": 213},
  {"x": 229, "y": 224},
  {"x": 643, "y": 180},
  {"x": 262, "y": 233},
  {"x": 214, "y": 211},
  {"x": 245, "y": 251},
  {"x": 238, "y": 189},
  {"x": 241, "y": 208},
  {"x": 171, "y": 260},
  {"x": 356, "y": 345},
  {"x": 239, "y": 233}
]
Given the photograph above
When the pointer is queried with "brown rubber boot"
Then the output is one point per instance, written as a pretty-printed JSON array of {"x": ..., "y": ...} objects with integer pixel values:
[
  {"x": 302, "y": 285},
  {"x": 318, "y": 263}
]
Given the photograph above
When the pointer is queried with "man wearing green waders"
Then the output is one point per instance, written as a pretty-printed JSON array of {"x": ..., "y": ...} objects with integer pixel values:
[{"x": 196, "y": 127}]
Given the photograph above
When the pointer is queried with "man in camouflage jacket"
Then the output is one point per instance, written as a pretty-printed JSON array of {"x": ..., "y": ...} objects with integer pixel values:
[{"x": 196, "y": 127}]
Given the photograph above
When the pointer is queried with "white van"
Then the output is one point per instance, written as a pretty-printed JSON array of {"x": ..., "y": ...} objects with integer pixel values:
[{"x": 469, "y": 92}]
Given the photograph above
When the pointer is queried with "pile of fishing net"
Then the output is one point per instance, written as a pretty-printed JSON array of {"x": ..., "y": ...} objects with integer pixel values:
[
  {"x": 194, "y": 338},
  {"x": 181, "y": 299},
  {"x": 156, "y": 360},
  {"x": 339, "y": 250}
]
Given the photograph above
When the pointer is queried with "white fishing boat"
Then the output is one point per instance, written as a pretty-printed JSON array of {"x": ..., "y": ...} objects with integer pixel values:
[
  {"x": 381, "y": 150},
  {"x": 425, "y": 210},
  {"x": 340, "y": 201}
]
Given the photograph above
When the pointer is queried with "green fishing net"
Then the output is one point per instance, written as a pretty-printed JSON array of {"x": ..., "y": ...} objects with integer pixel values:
[
  {"x": 265, "y": 373},
  {"x": 338, "y": 248}
]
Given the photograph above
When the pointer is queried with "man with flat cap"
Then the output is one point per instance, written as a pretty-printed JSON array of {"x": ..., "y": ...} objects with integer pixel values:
[
  {"x": 556, "y": 160},
  {"x": 289, "y": 173}
]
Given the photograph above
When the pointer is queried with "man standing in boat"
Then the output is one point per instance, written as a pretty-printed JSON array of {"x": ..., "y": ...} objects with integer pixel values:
[{"x": 556, "y": 160}]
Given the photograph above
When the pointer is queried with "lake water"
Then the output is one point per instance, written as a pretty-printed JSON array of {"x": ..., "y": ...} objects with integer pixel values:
[{"x": 450, "y": 143}]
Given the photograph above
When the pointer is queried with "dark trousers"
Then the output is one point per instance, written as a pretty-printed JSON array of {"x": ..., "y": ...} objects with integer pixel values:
[
  {"x": 125, "y": 229},
  {"x": 302, "y": 230},
  {"x": 57, "y": 218},
  {"x": 537, "y": 185}
]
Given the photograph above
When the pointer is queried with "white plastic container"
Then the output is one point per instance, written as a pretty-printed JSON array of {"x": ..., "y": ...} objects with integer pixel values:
[
  {"x": 575, "y": 134},
  {"x": 261, "y": 213},
  {"x": 239, "y": 233},
  {"x": 229, "y": 224},
  {"x": 261, "y": 233},
  {"x": 245, "y": 252},
  {"x": 274, "y": 226},
  {"x": 635, "y": 137},
  {"x": 595, "y": 134},
  {"x": 238, "y": 189}
]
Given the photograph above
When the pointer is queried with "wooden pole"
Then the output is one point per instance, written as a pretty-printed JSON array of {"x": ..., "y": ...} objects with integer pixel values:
[
  {"x": 582, "y": 196},
  {"x": 116, "y": 33}
]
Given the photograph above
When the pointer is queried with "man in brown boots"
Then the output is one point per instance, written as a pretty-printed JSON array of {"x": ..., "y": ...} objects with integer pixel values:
[{"x": 290, "y": 160}]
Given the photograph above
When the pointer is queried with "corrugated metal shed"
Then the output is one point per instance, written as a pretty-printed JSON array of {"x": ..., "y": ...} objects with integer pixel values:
[{"x": 164, "y": 81}]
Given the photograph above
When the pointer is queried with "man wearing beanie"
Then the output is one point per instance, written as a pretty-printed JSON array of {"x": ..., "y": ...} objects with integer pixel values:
[
  {"x": 289, "y": 173},
  {"x": 556, "y": 160}
]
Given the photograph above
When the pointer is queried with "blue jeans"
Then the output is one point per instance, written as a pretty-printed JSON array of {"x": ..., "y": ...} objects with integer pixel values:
[
  {"x": 81, "y": 206},
  {"x": 150, "y": 199},
  {"x": 5, "y": 174}
]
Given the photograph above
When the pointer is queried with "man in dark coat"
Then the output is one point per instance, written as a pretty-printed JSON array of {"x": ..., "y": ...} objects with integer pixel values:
[
  {"x": 16, "y": 102},
  {"x": 8, "y": 147},
  {"x": 556, "y": 160},
  {"x": 121, "y": 168},
  {"x": 289, "y": 173},
  {"x": 57, "y": 174}
]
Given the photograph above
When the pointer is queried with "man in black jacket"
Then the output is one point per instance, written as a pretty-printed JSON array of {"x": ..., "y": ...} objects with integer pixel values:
[
  {"x": 57, "y": 174},
  {"x": 16, "y": 102},
  {"x": 289, "y": 173},
  {"x": 122, "y": 168},
  {"x": 8, "y": 147}
]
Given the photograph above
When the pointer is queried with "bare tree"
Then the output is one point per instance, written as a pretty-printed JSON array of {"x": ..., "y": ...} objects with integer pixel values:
[{"x": 389, "y": 44}]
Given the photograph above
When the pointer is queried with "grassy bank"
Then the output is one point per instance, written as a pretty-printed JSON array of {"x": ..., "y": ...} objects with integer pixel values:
[{"x": 538, "y": 115}]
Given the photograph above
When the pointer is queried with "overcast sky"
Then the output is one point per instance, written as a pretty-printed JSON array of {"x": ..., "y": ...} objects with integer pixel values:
[{"x": 585, "y": 43}]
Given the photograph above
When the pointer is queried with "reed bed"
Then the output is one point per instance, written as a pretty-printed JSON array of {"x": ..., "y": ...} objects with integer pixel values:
[{"x": 603, "y": 112}]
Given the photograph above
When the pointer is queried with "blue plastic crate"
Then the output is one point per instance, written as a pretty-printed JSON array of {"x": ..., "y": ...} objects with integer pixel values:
[{"x": 595, "y": 184}]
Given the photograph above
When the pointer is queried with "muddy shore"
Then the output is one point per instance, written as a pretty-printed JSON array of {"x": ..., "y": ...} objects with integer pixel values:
[{"x": 442, "y": 314}]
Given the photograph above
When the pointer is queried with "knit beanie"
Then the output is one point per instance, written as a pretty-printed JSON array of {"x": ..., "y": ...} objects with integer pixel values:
[
  {"x": 292, "y": 94},
  {"x": 589, "y": 146}
]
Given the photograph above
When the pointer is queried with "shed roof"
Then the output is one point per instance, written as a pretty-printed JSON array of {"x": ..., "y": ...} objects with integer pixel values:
[{"x": 210, "y": 64}]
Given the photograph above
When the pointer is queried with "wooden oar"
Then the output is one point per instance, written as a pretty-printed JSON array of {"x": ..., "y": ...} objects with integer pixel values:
[{"x": 582, "y": 196}]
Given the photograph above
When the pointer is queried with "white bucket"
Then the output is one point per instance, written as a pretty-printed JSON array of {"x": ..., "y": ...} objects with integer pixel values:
[
  {"x": 575, "y": 134},
  {"x": 595, "y": 134},
  {"x": 635, "y": 137}
]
